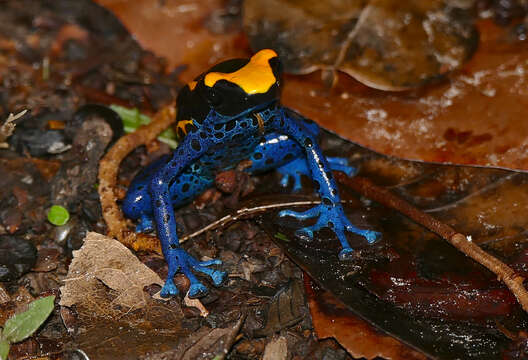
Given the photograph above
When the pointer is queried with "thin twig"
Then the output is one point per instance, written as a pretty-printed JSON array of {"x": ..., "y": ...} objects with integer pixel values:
[
  {"x": 108, "y": 170},
  {"x": 244, "y": 212},
  {"x": 504, "y": 273}
]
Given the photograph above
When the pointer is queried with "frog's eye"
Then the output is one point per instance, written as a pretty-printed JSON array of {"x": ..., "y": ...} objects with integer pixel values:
[{"x": 214, "y": 97}]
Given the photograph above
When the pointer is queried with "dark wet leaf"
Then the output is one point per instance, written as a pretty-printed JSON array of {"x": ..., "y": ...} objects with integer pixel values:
[
  {"x": 413, "y": 284},
  {"x": 331, "y": 318},
  {"x": 207, "y": 343},
  {"x": 17, "y": 256},
  {"x": 284, "y": 310},
  {"x": 385, "y": 44}
]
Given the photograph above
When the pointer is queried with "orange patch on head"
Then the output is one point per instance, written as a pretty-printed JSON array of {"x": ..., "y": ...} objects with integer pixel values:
[
  {"x": 192, "y": 85},
  {"x": 256, "y": 77}
]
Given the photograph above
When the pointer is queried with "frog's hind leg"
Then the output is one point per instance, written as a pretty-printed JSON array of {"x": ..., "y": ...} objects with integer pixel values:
[
  {"x": 285, "y": 154},
  {"x": 137, "y": 204}
]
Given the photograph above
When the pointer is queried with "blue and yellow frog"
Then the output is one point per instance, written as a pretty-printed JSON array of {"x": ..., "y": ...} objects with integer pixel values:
[{"x": 229, "y": 114}]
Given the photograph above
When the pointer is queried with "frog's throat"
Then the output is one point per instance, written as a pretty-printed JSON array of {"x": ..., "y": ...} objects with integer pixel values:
[{"x": 256, "y": 77}]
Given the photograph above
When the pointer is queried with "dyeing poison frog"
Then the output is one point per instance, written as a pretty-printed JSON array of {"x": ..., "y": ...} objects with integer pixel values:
[{"x": 226, "y": 115}]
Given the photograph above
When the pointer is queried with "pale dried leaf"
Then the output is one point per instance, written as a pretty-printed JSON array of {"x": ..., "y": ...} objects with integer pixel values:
[
  {"x": 276, "y": 349},
  {"x": 7, "y": 128},
  {"x": 107, "y": 260}
]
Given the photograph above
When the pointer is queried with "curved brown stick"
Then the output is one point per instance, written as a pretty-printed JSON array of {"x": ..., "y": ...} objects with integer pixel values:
[
  {"x": 109, "y": 169},
  {"x": 379, "y": 194}
]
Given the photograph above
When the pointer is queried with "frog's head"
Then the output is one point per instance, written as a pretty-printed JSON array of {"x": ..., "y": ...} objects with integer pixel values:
[{"x": 233, "y": 87}]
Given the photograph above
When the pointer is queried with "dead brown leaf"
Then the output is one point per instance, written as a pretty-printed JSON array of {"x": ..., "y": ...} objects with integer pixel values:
[
  {"x": 331, "y": 319},
  {"x": 204, "y": 344},
  {"x": 102, "y": 259}
]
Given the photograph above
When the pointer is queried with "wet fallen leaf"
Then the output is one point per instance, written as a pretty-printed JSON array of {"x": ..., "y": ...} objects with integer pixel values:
[
  {"x": 331, "y": 318},
  {"x": 475, "y": 117},
  {"x": 189, "y": 20},
  {"x": 204, "y": 344},
  {"x": 385, "y": 44},
  {"x": 284, "y": 310}
]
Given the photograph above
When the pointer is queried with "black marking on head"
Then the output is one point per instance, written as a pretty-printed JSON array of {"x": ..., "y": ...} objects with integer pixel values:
[
  {"x": 308, "y": 142},
  {"x": 327, "y": 202},
  {"x": 186, "y": 187}
]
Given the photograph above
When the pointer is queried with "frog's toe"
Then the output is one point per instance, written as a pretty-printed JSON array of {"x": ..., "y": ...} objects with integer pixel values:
[
  {"x": 303, "y": 215},
  {"x": 218, "y": 277},
  {"x": 346, "y": 253},
  {"x": 285, "y": 180},
  {"x": 370, "y": 235},
  {"x": 169, "y": 289},
  {"x": 305, "y": 233},
  {"x": 341, "y": 164},
  {"x": 197, "y": 290},
  {"x": 145, "y": 225}
]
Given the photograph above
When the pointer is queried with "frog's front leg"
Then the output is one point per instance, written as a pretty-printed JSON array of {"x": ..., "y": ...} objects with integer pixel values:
[
  {"x": 192, "y": 147},
  {"x": 330, "y": 212}
]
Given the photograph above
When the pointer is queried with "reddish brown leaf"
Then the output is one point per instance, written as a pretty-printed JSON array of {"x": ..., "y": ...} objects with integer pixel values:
[{"x": 331, "y": 318}]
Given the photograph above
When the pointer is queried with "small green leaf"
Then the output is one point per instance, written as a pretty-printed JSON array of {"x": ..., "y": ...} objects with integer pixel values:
[
  {"x": 132, "y": 119},
  {"x": 58, "y": 215},
  {"x": 281, "y": 236},
  {"x": 4, "y": 349},
  {"x": 22, "y": 325}
]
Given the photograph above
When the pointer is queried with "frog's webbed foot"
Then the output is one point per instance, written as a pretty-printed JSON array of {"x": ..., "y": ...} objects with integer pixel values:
[
  {"x": 145, "y": 224},
  {"x": 333, "y": 217},
  {"x": 179, "y": 260},
  {"x": 341, "y": 164},
  {"x": 296, "y": 168}
]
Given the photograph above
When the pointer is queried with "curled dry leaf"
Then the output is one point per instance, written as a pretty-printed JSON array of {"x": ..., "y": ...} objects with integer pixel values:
[{"x": 385, "y": 44}]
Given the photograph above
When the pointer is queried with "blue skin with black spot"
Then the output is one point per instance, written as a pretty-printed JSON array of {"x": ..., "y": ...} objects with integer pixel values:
[{"x": 229, "y": 126}]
